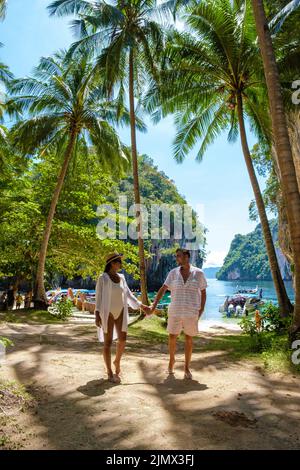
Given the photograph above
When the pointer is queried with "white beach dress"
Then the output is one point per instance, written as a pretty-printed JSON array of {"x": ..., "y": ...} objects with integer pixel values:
[{"x": 103, "y": 302}]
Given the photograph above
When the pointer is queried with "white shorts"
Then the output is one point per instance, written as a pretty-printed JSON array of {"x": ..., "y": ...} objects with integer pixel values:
[{"x": 189, "y": 325}]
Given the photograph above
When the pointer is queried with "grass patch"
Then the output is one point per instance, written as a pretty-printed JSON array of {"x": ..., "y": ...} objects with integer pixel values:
[
  {"x": 275, "y": 356},
  {"x": 11, "y": 391},
  {"x": 29, "y": 316},
  {"x": 150, "y": 330},
  {"x": 14, "y": 399}
]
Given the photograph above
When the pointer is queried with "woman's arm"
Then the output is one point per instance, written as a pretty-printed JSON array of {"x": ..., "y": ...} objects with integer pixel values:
[
  {"x": 98, "y": 301},
  {"x": 132, "y": 301}
]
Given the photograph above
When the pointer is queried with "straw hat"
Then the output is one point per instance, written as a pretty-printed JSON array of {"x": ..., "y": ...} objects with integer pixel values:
[{"x": 112, "y": 257}]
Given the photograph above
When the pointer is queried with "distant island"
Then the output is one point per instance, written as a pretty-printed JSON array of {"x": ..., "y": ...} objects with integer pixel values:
[{"x": 247, "y": 259}]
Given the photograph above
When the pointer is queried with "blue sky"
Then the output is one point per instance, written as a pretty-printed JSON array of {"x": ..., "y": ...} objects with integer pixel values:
[{"x": 219, "y": 184}]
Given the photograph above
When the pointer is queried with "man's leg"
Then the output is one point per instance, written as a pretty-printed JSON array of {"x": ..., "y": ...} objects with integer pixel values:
[
  {"x": 172, "y": 351},
  {"x": 188, "y": 349}
]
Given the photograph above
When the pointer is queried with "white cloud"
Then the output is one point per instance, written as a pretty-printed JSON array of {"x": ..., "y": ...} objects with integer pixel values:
[{"x": 215, "y": 259}]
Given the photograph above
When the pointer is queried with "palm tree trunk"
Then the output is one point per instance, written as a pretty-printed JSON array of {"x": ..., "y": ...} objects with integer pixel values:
[
  {"x": 137, "y": 197},
  {"x": 40, "y": 300},
  {"x": 290, "y": 190},
  {"x": 285, "y": 305}
]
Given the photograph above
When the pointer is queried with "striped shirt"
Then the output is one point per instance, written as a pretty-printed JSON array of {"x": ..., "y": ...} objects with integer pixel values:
[{"x": 185, "y": 297}]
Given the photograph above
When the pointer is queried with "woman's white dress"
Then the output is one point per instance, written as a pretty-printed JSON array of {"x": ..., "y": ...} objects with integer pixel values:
[{"x": 103, "y": 302}]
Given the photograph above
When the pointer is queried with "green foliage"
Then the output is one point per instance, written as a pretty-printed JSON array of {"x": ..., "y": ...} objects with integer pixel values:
[
  {"x": 3, "y": 6},
  {"x": 62, "y": 309},
  {"x": 213, "y": 61},
  {"x": 65, "y": 101},
  {"x": 74, "y": 249},
  {"x": 6, "y": 342},
  {"x": 248, "y": 256},
  {"x": 273, "y": 320},
  {"x": 259, "y": 340},
  {"x": 129, "y": 26},
  {"x": 32, "y": 316},
  {"x": 264, "y": 337}
]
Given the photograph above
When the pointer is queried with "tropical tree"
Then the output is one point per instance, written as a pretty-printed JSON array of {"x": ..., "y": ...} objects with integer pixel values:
[
  {"x": 126, "y": 38},
  {"x": 213, "y": 82},
  {"x": 3, "y": 6},
  {"x": 281, "y": 17},
  {"x": 289, "y": 184},
  {"x": 65, "y": 106}
]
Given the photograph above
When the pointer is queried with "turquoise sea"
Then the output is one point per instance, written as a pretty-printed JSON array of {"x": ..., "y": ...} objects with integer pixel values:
[{"x": 218, "y": 290}]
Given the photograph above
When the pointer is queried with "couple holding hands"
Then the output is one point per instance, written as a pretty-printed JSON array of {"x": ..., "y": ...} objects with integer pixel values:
[{"x": 187, "y": 285}]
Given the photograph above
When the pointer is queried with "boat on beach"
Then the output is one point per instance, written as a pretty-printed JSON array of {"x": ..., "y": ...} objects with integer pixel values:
[{"x": 240, "y": 305}]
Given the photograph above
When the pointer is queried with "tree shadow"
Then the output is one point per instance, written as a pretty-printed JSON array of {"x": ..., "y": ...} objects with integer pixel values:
[{"x": 159, "y": 412}]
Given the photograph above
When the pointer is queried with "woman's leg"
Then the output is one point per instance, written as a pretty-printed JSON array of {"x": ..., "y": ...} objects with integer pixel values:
[
  {"x": 122, "y": 335},
  {"x": 108, "y": 337}
]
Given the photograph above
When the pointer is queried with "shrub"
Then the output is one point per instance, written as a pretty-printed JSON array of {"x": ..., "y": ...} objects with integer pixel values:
[
  {"x": 62, "y": 309},
  {"x": 6, "y": 342},
  {"x": 259, "y": 339},
  {"x": 273, "y": 320}
]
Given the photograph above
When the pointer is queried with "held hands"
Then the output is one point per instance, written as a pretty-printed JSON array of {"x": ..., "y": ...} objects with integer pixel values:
[
  {"x": 146, "y": 309},
  {"x": 98, "y": 320}
]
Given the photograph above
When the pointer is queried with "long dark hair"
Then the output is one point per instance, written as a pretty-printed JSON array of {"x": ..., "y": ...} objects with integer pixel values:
[{"x": 108, "y": 266}]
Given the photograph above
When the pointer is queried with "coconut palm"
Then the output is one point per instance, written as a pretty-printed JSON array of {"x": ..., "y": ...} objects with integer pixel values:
[
  {"x": 5, "y": 107},
  {"x": 126, "y": 37},
  {"x": 65, "y": 105},
  {"x": 289, "y": 185},
  {"x": 281, "y": 17},
  {"x": 213, "y": 83},
  {"x": 3, "y": 6}
]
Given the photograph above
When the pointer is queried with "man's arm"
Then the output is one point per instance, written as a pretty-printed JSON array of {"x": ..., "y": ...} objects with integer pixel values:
[
  {"x": 159, "y": 296},
  {"x": 203, "y": 302}
]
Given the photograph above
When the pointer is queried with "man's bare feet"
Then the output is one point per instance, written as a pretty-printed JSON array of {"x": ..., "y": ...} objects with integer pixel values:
[
  {"x": 171, "y": 367},
  {"x": 117, "y": 379},
  {"x": 110, "y": 375}
]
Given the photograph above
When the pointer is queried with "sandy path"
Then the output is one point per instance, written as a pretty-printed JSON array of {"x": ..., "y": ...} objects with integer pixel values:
[{"x": 61, "y": 367}]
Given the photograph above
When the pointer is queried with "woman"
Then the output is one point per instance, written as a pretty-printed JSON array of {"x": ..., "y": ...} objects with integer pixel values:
[{"x": 112, "y": 299}]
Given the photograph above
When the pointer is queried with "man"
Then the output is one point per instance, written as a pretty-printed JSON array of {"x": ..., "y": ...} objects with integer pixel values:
[{"x": 188, "y": 297}]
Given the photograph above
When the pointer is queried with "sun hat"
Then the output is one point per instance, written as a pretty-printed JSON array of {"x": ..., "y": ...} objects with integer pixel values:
[{"x": 112, "y": 257}]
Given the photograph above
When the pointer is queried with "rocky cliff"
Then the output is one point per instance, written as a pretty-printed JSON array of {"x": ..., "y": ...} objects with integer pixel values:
[{"x": 247, "y": 258}]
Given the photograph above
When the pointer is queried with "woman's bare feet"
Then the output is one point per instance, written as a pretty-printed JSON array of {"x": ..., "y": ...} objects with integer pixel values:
[
  {"x": 188, "y": 374},
  {"x": 117, "y": 367}
]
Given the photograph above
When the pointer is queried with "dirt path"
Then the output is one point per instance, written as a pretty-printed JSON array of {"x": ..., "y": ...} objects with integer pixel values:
[{"x": 228, "y": 405}]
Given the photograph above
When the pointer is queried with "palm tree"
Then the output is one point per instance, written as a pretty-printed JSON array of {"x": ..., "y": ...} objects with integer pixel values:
[
  {"x": 289, "y": 185},
  {"x": 281, "y": 17},
  {"x": 5, "y": 107},
  {"x": 3, "y": 6},
  {"x": 128, "y": 38},
  {"x": 65, "y": 106},
  {"x": 213, "y": 82}
]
